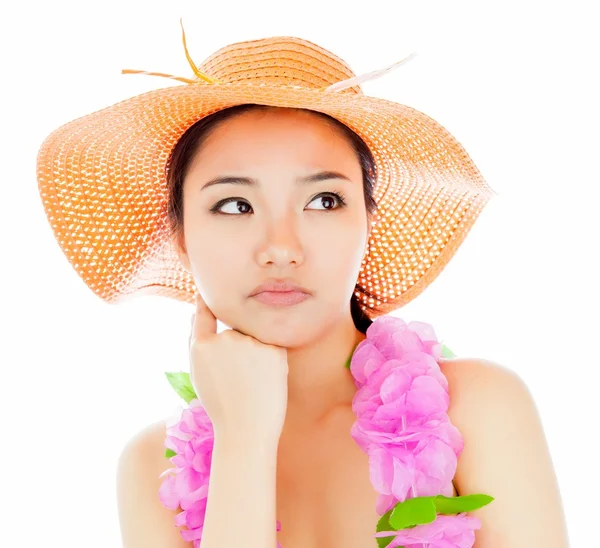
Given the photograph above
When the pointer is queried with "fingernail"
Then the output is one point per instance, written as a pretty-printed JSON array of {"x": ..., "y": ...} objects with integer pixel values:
[{"x": 193, "y": 317}]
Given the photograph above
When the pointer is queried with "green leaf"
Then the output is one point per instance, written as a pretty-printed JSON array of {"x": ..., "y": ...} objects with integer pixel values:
[
  {"x": 384, "y": 525},
  {"x": 349, "y": 361},
  {"x": 415, "y": 511},
  {"x": 169, "y": 453},
  {"x": 180, "y": 381},
  {"x": 447, "y": 353},
  {"x": 456, "y": 505},
  {"x": 420, "y": 510}
]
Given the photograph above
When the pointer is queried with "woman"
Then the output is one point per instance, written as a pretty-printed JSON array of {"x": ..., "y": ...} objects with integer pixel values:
[{"x": 260, "y": 190}]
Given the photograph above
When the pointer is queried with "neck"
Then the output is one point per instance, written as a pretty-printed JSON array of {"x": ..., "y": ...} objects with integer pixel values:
[{"x": 318, "y": 381}]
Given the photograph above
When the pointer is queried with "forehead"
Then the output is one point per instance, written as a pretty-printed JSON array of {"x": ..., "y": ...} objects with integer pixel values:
[{"x": 276, "y": 135}]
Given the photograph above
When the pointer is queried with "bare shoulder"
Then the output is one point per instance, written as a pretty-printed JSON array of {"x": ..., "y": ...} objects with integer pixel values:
[
  {"x": 144, "y": 520},
  {"x": 150, "y": 442},
  {"x": 485, "y": 394},
  {"x": 505, "y": 455},
  {"x": 469, "y": 378},
  {"x": 485, "y": 398},
  {"x": 474, "y": 369},
  {"x": 146, "y": 450}
]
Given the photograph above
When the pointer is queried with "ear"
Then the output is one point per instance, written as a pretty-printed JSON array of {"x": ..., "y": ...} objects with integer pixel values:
[
  {"x": 179, "y": 246},
  {"x": 369, "y": 226}
]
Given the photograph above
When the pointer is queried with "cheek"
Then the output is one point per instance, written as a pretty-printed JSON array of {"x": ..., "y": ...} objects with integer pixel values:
[
  {"x": 338, "y": 258},
  {"x": 216, "y": 263}
]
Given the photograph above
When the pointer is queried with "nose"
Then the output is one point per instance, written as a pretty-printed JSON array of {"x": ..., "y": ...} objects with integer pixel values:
[{"x": 282, "y": 245}]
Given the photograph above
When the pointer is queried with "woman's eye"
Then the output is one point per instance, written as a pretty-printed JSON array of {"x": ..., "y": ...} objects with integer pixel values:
[
  {"x": 239, "y": 206},
  {"x": 329, "y": 198},
  {"x": 234, "y": 206}
]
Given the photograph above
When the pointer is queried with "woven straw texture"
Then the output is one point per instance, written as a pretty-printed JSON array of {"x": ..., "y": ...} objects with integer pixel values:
[{"x": 102, "y": 177}]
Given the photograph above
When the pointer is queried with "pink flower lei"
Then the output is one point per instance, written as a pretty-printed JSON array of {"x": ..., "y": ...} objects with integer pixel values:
[{"x": 402, "y": 424}]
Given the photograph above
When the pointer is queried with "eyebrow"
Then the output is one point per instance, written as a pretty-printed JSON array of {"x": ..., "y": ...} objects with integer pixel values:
[{"x": 314, "y": 178}]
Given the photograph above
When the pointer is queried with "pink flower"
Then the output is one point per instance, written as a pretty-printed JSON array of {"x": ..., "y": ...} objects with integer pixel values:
[
  {"x": 186, "y": 486},
  {"x": 388, "y": 338},
  {"x": 402, "y": 405},
  {"x": 445, "y": 532}
]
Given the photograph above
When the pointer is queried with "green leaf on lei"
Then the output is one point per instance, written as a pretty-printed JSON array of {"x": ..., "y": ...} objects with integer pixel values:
[
  {"x": 349, "y": 361},
  {"x": 415, "y": 511},
  {"x": 384, "y": 525},
  {"x": 180, "y": 381},
  {"x": 447, "y": 353},
  {"x": 169, "y": 453},
  {"x": 457, "y": 505},
  {"x": 420, "y": 510}
]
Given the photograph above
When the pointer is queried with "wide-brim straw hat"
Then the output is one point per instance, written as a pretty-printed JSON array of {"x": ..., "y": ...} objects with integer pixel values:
[{"x": 102, "y": 177}]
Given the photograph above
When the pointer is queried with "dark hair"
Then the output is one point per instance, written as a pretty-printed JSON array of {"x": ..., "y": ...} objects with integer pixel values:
[{"x": 191, "y": 141}]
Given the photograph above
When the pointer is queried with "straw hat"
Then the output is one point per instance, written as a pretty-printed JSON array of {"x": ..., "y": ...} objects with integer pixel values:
[{"x": 102, "y": 177}]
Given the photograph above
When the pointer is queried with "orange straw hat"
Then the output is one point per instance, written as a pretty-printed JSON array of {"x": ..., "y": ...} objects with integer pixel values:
[{"x": 102, "y": 177}]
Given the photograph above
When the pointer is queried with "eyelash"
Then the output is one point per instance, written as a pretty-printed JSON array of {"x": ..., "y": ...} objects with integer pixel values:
[{"x": 215, "y": 209}]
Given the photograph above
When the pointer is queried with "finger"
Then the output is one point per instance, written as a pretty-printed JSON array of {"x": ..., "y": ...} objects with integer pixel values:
[{"x": 205, "y": 323}]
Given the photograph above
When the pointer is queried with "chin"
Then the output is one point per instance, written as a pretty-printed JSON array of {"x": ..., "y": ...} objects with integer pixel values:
[
  {"x": 278, "y": 335},
  {"x": 288, "y": 332}
]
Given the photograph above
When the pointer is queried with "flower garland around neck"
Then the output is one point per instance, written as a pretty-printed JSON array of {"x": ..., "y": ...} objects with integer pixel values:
[{"x": 402, "y": 424}]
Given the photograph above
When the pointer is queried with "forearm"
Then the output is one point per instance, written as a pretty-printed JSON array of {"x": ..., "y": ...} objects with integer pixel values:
[{"x": 242, "y": 495}]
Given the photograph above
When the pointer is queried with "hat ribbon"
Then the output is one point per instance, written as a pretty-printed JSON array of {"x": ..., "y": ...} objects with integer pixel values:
[{"x": 202, "y": 77}]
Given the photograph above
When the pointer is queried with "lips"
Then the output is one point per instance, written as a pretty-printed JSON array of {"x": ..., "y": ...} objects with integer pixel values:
[
  {"x": 279, "y": 286},
  {"x": 281, "y": 298}
]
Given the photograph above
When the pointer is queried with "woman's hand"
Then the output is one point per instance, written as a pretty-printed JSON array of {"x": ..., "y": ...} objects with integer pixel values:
[{"x": 241, "y": 382}]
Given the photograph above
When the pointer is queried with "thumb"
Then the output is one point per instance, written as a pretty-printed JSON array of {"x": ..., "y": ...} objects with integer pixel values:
[{"x": 205, "y": 323}]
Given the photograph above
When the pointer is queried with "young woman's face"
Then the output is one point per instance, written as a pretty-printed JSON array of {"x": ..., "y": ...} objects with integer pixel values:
[{"x": 238, "y": 236}]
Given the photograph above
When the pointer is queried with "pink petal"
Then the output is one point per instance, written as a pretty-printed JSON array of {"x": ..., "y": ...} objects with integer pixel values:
[
  {"x": 381, "y": 470},
  {"x": 445, "y": 532},
  {"x": 167, "y": 493},
  {"x": 188, "y": 500},
  {"x": 395, "y": 385},
  {"x": 426, "y": 397},
  {"x": 403, "y": 478}
]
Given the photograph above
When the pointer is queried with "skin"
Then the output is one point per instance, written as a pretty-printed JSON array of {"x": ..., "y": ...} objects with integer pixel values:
[{"x": 282, "y": 229}]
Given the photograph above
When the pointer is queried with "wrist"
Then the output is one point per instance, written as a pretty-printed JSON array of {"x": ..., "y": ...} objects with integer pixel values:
[{"x": 248, "y": 443}]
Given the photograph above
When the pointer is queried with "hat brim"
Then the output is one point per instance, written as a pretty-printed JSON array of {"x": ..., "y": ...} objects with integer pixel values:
[{"x": 102, "y": 182}]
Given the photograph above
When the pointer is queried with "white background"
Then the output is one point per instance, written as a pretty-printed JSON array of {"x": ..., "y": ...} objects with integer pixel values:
[{"x": 515, "y": 82}]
